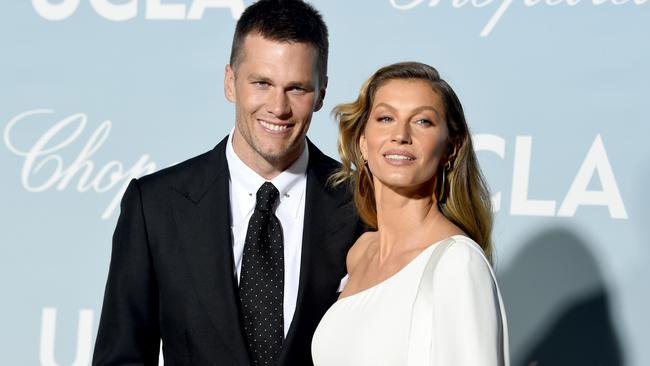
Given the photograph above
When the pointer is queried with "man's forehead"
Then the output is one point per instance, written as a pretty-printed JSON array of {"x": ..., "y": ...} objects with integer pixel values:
[
  {"x": 257, "y": 42},
  {"x": 268, "y": 56},
  {"x": 254, "y": 36}
]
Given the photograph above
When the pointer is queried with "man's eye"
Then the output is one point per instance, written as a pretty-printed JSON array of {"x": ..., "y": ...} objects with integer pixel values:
[{"x": 261, "y": 84}]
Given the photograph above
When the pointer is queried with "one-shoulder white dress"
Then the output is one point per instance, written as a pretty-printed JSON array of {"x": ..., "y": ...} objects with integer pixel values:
[{"x": 442, "y": 309}]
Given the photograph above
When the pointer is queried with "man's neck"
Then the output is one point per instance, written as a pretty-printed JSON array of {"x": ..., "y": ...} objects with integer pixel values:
[{"x": 263, "y": 166}]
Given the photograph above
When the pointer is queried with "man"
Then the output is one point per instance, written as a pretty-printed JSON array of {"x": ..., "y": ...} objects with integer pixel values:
[{"x": 232, "y": 257}]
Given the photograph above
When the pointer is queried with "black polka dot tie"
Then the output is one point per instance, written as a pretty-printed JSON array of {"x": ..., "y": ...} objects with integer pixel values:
[{"x": 261, "y": 285}]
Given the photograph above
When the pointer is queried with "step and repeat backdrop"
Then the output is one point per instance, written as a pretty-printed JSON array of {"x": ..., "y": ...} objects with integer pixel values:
[{"x": 556, "y": 92}]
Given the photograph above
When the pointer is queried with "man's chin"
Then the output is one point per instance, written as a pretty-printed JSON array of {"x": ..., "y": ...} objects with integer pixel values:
[
  {"x": 281, "y": 157},
  {"x": 274, "y": 156}
]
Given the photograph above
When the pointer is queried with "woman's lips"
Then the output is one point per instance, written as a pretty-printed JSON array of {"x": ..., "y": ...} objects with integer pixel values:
[{"x": 399, "y": 157}]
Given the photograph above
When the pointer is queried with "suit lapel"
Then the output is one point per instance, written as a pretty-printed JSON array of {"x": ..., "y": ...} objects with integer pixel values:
[
  {"x": 329, "y": 225},
  {"x": 202, "y": 212},
  {"x": 201, "y": 206}
]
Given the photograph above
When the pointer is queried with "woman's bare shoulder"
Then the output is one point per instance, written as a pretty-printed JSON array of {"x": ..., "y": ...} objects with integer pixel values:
[{"x": 359, "y": 249}]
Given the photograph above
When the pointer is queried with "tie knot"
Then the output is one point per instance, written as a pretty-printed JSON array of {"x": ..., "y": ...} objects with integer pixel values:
[{"x": 266, "y": 197}]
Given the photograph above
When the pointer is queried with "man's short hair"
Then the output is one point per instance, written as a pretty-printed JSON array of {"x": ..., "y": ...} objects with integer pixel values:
[{"x": 283, "y": 21}]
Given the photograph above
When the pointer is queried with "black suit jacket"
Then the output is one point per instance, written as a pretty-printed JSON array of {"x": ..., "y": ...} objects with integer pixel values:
[{"x": 172, "y": 274}]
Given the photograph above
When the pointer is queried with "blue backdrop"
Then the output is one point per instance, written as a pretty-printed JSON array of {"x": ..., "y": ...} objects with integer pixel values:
[{"x": 94, "y": 92}]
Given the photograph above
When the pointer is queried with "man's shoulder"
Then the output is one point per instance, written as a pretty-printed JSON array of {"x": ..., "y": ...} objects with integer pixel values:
[
  {"x": 201, "y": 167},
  {"x": 321, "y": 168},
  {"x": 321, "y": 162}
]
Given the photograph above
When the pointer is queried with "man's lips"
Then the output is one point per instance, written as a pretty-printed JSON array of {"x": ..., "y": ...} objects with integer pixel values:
[{"x": 275, "y": 127}]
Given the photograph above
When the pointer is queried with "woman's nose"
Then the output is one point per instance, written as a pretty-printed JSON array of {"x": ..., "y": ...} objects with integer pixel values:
[{"x": 401, "y": 133}]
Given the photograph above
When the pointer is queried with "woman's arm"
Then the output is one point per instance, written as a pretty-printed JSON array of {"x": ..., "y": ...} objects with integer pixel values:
[{"x": 467, "y": 311}]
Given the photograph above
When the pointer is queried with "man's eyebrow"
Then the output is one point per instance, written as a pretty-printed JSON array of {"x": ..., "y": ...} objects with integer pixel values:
[
  {"x": 258, "y": 77},
  {"x": 291, "y": 84},
  {"x": 300, "y": 84}
]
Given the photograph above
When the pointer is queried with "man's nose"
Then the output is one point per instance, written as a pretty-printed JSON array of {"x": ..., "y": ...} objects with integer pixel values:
[{"x": 278, "y": 104}]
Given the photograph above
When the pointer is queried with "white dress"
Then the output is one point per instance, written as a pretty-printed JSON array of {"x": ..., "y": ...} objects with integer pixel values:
[{"x": 442, "y": 309}]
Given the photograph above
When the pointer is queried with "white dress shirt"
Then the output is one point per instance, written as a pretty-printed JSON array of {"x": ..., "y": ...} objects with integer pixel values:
[{"x": 292, "y": 184}]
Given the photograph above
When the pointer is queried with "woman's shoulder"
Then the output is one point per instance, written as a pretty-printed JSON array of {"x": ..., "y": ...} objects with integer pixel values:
[
  {"x": 465, "y": 244},
  {"x": 462, "y": 256},
  {"x": 358, "y": 250},
  {"x": 463, "y": 299}
]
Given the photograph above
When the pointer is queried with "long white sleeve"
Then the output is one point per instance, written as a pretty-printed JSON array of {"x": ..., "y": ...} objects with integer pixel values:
[
  {"x": 441, "y": 309},
  {"x": 468, "y": 323}
]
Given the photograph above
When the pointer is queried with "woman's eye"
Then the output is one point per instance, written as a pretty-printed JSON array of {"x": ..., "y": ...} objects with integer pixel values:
[
  {"x": 424, "y": 122},
  {"x": 384, "y": 119}
]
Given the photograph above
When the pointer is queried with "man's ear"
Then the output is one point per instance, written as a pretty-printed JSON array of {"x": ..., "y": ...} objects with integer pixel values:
[
  {"x": 229, "y": 84},
  {"x": 321, "y": 94}
]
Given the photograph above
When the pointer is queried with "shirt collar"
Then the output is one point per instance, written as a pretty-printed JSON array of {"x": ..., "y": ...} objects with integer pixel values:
[{"x": 245, "y": 181}]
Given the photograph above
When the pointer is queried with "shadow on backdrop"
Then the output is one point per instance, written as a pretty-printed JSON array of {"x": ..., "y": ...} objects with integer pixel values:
[{"x": 557, "y": 304}]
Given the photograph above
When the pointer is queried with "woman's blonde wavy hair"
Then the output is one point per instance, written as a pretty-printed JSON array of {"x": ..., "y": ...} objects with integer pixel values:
[{"x": 463, "y": 196}]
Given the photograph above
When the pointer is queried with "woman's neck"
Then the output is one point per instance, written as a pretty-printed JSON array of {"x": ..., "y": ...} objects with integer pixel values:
[{"x": 404, "y": 219}]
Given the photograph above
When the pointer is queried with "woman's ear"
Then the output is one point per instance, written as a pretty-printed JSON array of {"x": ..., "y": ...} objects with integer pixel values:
[
  {"x": 452, "y": 152},
  {"x": 363, "y": 147}
]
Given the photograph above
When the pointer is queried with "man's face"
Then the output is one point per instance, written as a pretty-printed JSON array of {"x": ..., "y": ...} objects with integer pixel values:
[{"x": 275, "y": 89}]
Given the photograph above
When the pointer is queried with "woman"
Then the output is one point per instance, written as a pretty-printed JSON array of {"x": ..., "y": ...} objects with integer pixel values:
[{"x": 420, "y": 288}]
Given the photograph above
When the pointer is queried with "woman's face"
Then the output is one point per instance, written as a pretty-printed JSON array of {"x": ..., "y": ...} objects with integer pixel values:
[{"x": 406, "y": 134}]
